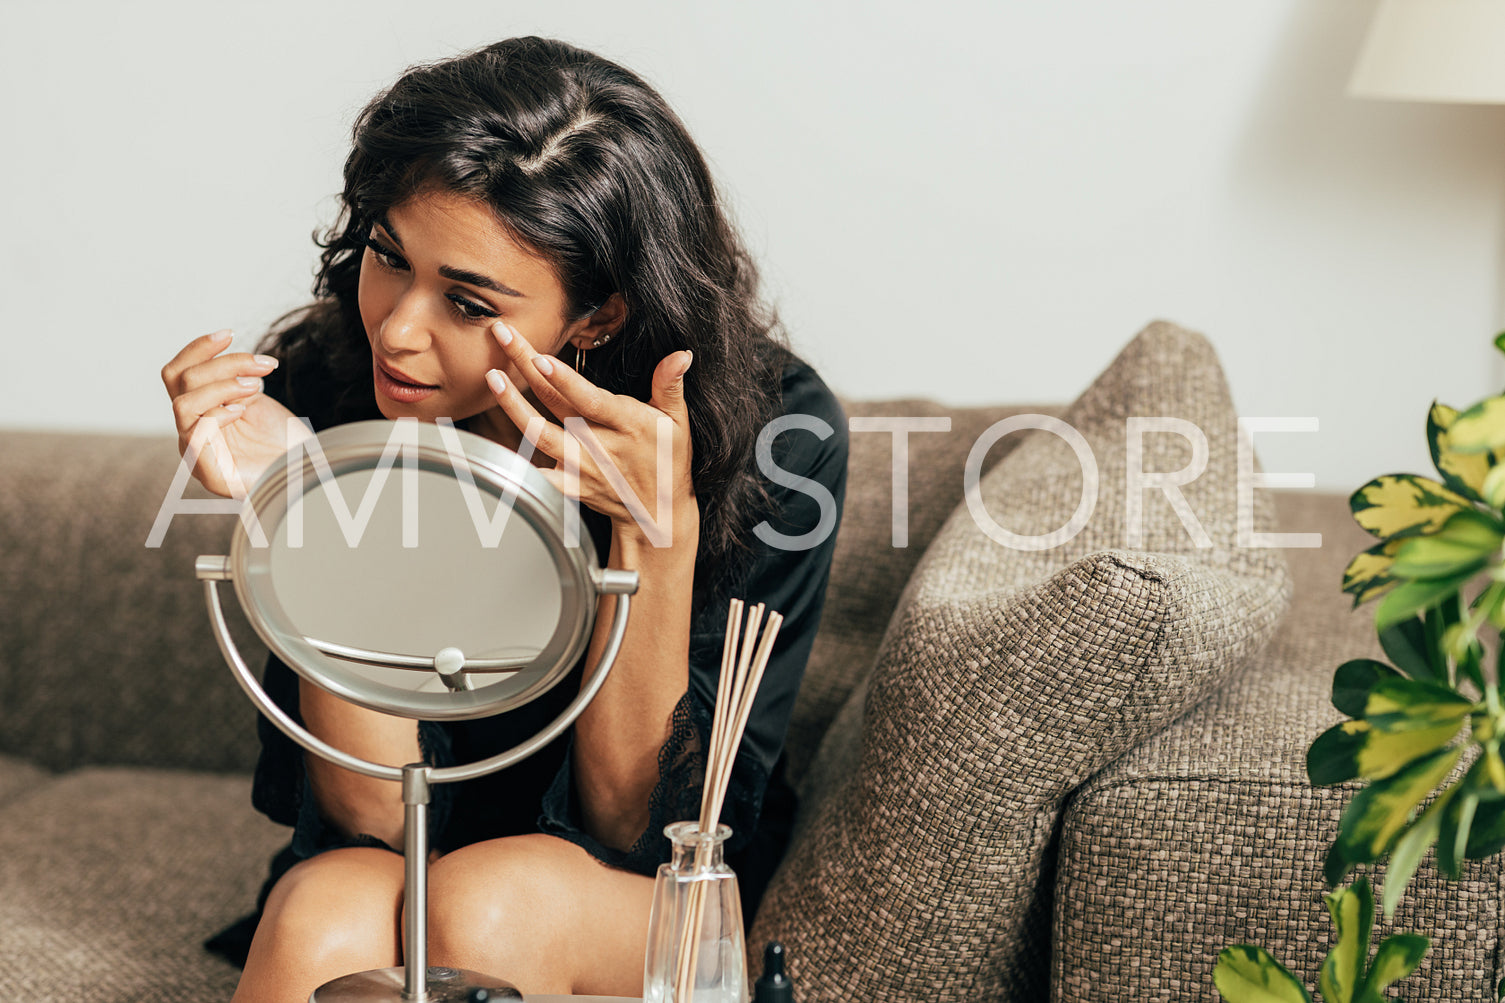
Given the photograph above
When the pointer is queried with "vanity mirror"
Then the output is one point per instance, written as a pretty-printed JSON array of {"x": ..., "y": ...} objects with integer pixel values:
[{"x": 422, "y": 571}]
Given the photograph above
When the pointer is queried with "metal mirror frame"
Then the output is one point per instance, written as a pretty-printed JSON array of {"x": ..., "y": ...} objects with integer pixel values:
[
  {"x": 501, "y": 476},
  {"x": 500, "y": 471}
]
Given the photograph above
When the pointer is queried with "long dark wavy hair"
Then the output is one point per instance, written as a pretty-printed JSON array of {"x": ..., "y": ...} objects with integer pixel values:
[{"x": 585, "y": 164}]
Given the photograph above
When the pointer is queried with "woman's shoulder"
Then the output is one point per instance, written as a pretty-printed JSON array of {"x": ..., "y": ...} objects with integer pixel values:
[{"x": 803, "y": 392}]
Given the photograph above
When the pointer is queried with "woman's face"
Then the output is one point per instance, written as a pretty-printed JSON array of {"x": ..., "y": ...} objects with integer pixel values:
[{"x": 438, "y": 272}]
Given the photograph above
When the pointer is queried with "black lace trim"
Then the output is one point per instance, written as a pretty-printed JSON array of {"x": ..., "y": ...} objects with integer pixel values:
[{"x": 675, "y": 797}]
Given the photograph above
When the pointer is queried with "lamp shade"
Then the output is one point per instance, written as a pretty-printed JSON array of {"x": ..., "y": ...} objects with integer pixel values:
[{"x": 1434, "y": 50}]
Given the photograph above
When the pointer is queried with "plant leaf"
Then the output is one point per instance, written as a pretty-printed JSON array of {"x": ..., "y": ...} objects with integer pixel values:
[
  {"x": 1487, "y": 837},
  {"x": 1400, "y": 505},
  {"x": 1493, "y": 488},
  {"x": 1335, "y": 865},
  {"x": 1480, "y": 428},
  {"x": 1400, "y": 704},
  {"x": 1406, "y": 645},
  {"x": 1409, "y": 850},
  {"x": 1352, "y": 910},
  {"x": 1410, "y": 598},
  {"x": 1397, "y": 956},
  {"x": 1378, "y": 813},
  {"x": 1463, "y": 544},
  {"x": 1463, "y": 472},
  {"x": 1353, "y": 681},
  {"x": 1247, "y": 974},
  {"x": 1457, "y": 822},
  {"x": 1351, "y": 749},
  {"x": 1368, "y": 574}
]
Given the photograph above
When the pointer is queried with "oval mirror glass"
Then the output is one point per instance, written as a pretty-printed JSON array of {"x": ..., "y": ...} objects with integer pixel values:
[{"x": 417, "y": 570}]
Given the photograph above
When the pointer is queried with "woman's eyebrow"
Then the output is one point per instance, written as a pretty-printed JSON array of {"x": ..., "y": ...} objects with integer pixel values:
[
  {"x": 451, "y": 272},
  {"x": 474, "y": 278}
]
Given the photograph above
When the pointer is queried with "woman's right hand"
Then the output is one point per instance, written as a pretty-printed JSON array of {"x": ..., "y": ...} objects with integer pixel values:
[{"x": 217, "y": 400}]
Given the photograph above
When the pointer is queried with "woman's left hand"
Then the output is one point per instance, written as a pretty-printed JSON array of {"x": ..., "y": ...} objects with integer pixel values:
[{"x": 625, "y": 459}]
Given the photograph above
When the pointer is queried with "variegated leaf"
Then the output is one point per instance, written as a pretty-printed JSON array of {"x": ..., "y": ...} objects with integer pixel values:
[
  {"x": 1400, "y": 704},
  {"x": 1247, "y": 974},
  {"x": 1368, "y": 574},
  {"x": 1352, "y": 749},
  {"x": 1457, "y": 823},
  {"x": 1410, "y": 598},
  {"x": 1463, "y": 545},
  {"x": 1353, "y": 681},
  {"x": 1463, "y": 472},
  {"x": 1395, "y": 958},
  {"x": 1378, "y": 813},
  {"x": 1493, "y": 489},
  {"x": 1352, "y": 910},
  {"x": 1404, "y": 505},
  {"x": 1410, "y": 848},
  {"x": 1479, "y": 429}
]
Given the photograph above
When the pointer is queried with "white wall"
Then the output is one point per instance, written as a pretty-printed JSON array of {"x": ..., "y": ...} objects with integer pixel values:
[{"x": 975, "y": 202}]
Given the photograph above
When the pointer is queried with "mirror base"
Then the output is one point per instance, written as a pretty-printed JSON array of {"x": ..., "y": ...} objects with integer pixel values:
[{"x": 445, "y": 985}]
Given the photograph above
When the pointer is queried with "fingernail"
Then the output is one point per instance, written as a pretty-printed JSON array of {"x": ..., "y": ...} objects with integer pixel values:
[
  {"x": 688, "y": 362},
  {"x": 249, "y": 382},
  {"x": 544, "y": 365},
  {"x": 223, "y": 335},
  {"x": 502, "y": 333},
  {"x": 235, "y": 408},
  {"x": 496, "y": 381},
  {"x": 266, "y": 360}
]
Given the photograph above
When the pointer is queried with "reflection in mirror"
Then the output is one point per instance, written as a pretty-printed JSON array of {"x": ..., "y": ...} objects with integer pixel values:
[{"x": 449, "y": 591}]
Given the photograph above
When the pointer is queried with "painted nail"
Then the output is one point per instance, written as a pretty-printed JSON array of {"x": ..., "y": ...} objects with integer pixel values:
[
  {"x": 265, "y": 360},
  {"x": 223, "y": 335},
  {"x": 503, "y": 335},
  {"x": 496, "y": 381},
  {"x": 249, "y": 382},
  {"x": 544, "y": 365},
  {"x": 235, "y": 408}
]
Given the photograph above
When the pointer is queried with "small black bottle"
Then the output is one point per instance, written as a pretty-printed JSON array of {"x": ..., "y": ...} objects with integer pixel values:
[{"x": 774, "y": 986}]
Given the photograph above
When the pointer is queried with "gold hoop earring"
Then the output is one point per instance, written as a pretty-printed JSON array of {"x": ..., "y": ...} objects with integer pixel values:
[{"x": 579, "y": 359}]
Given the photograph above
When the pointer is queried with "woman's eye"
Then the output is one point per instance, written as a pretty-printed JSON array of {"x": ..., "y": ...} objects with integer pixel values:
[
  {"x": 385, "y": 255},
  {"x": 468, "y": 309}
]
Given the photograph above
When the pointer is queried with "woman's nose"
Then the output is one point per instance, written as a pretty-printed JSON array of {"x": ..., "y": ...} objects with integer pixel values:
[{"x": 407, "y": 327}]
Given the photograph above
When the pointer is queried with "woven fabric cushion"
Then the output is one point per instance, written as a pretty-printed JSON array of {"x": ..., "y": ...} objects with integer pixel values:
[
  {"x": 1008, "y": 677},
  {"x": 1228, "y": 838},
  {"x": 868, "y": 572},
  {"x": 111, "y": 878},
  {"x": 107, "y": 655}
]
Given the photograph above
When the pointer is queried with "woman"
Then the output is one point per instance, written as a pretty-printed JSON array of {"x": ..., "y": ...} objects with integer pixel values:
[{"x": 529, "y": 234}]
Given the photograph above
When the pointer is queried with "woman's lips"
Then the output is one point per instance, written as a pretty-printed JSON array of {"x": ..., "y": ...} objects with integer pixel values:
[{"x": 398, "y": 389}]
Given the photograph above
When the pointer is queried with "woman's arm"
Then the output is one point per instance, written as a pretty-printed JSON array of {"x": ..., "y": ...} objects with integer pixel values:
[
  {"x": 353, "y": 804},
  {"x": 620, "y": 734},
  {"x": 614, "y": 448}
]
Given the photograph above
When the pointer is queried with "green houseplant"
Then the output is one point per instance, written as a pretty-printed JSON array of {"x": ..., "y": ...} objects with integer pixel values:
[{"x": 1423, "y": 732}]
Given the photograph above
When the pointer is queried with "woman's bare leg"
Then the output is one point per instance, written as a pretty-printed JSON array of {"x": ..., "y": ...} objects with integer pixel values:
[
  {"x": 328, "y": 916},
  {"x": 542, "y": 914}
]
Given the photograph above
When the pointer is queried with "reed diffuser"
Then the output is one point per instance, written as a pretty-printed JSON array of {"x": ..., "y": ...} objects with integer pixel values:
[{"x": 696, "y": 944}]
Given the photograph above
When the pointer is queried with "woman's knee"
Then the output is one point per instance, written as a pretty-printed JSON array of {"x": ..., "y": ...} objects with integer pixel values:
[
  {"x": 343, "y": 903},
  {"x": 484, "y": 894}
]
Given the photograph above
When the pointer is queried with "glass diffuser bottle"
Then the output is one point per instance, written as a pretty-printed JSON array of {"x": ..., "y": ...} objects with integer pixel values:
[{"x": 696, "y": 947}]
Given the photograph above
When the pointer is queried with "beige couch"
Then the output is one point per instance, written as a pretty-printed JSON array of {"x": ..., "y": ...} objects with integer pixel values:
[{"x": 1114, "y": 871}]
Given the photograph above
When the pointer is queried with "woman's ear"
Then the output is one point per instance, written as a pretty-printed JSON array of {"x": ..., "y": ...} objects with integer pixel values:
[{"x": 601, "y": 325}]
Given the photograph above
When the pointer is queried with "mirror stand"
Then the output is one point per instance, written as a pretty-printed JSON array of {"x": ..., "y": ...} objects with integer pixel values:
[{"x": 415, "y": 981}]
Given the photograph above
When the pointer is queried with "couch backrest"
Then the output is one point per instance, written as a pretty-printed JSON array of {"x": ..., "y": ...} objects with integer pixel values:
[
  {"x": 105, "y": 650},
  {"x": 868, "y": 573}
]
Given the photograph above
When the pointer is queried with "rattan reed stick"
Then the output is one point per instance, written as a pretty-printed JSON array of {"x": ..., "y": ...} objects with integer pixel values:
[{"x": 737, "y": 690}]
